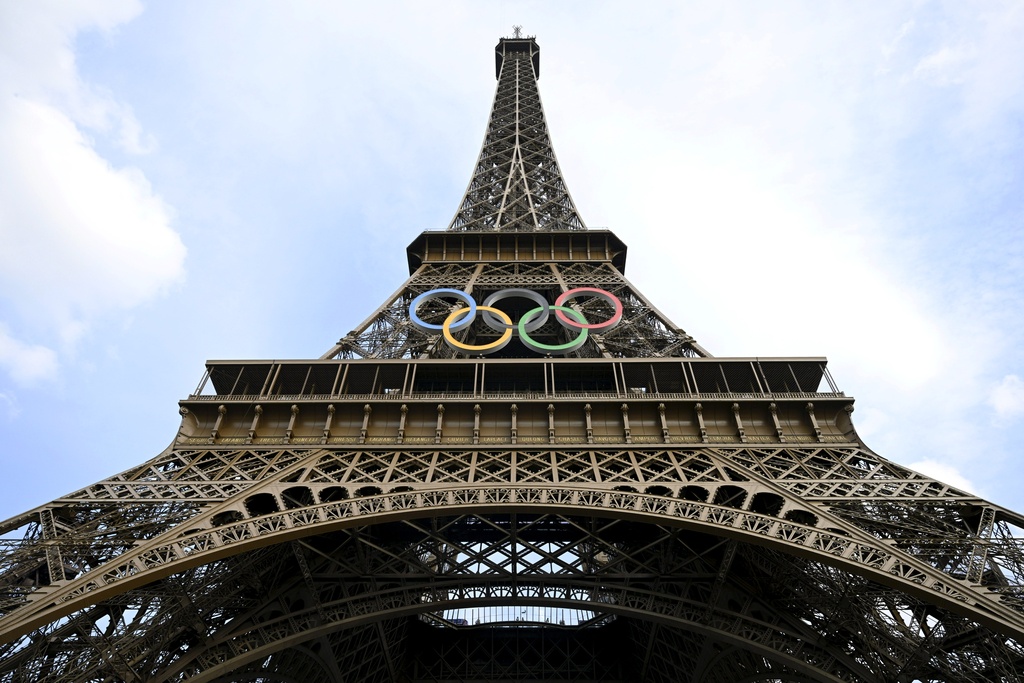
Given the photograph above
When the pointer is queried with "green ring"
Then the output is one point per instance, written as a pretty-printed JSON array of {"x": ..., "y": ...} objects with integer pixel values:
[{"x": 567, "y": 347}]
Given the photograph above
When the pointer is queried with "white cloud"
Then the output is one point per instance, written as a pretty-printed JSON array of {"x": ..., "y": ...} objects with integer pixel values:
[
  {"x": 26, "y": 363},
  {"x": 947, "y": 474},
  {"x": 1007, "y": 397},
  {"x": 944, "y": 66},
  {"x": 889, "y": 50},
  {"x": 80, "y": 237}
]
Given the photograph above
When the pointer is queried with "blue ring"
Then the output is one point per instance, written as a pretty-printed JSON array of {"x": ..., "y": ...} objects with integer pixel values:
[{"x": 437, "y": 294}]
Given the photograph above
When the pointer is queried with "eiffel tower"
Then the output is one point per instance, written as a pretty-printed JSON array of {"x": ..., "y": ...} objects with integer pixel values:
[{"x": 515, "y": 469}]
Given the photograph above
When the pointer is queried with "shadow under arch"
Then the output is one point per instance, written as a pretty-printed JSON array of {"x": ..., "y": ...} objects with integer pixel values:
[{"x": 263, "y": 639}]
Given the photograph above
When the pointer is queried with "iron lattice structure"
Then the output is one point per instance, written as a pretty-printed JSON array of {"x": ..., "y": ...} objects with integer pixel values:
[
  {"x": 516, "y": 185},
  {"x": 397, "y": 511}
]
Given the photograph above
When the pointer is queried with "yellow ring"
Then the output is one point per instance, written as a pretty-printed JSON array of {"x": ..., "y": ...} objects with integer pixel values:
[{"x": 460, "y": 312}]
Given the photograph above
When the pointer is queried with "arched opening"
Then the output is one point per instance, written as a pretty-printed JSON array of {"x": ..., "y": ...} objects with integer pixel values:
[
  {"x": 297, "y": 497},
  {"x": 730, "y": 496},
  {"x": 489, "y": 573},
  {"x": 331, "y": 494},
  {"x": 507, "y": 559},
  {"x": 261, "y": 504},
  {"x": 802, "y": 517},
  {"x": 369, "y": 491},
  {"x": 765, "y": 503},
  {"x": 697, "y": 494},
  {"x": 226, "y": 517}
]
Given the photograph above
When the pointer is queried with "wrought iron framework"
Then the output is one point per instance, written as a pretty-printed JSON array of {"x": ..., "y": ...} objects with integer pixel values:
[
  {"x": 516, "y": 184},
  {"x": 640, "y": 511}
]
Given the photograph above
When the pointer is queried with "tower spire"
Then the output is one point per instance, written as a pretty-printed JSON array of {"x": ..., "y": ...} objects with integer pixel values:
[{"x": 516, "y": 184}]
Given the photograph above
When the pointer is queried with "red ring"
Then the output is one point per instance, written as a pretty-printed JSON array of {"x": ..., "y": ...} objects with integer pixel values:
[{"x": 604, "y": 294}]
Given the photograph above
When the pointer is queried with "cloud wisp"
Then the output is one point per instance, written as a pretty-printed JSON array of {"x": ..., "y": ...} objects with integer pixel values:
[{"x": 82, "y": 238}]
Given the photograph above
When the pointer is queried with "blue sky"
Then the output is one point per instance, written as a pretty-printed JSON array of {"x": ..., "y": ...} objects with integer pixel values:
[{"x": 191, "y": 180}]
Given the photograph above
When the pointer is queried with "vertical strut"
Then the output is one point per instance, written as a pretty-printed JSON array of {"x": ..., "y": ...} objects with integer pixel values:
[
  {"x": 54, "y": 562},
  {"x": 980, "y": 552}
]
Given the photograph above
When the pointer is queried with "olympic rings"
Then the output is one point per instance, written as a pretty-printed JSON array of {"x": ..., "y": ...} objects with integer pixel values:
[
  {"x": 437, "y": 294},
  {"x": 509, "y": 293},
  {"x": 568, "y": 347},
  {"x": 481, "y": 348},
  {"x": 599, "y": 293},
  {"x": 500, "y": 321}
]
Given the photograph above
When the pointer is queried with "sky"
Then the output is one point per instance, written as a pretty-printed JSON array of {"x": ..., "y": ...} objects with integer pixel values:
[{"x": 227, "y": 180}]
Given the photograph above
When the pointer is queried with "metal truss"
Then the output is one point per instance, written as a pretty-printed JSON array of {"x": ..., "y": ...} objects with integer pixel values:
[
  {"x": 723, "y": 561},
  {"x": 395, "y": 513},
  {"x": 516, "y": 184},
  {"x": 643, "y": 333}
]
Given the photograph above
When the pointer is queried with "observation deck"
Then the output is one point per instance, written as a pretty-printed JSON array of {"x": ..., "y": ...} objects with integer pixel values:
[{"x": 563, "y": 402}]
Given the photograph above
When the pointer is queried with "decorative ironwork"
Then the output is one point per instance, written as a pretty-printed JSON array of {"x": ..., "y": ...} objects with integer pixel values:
[
  {"x": 643, "y": 332},
  {"x": 640, "y": 511}
]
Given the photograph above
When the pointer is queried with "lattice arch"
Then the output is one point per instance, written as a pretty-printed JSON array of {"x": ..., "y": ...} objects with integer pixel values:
[{"x": 687, "y": 558}]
